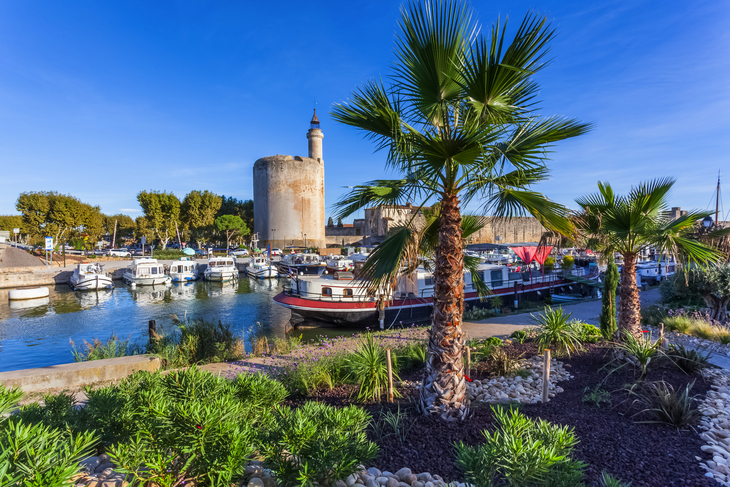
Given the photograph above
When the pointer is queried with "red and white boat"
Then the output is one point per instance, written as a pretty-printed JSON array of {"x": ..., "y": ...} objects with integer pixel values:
[{"x": 341, "y": 300}]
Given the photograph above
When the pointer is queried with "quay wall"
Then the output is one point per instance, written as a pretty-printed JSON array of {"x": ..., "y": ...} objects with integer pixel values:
[{"x": 78, "y": 374}]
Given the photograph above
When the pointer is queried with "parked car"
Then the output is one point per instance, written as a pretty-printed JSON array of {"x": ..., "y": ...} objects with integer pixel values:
[
  {"x": 201, "y": 252},
  {"x": 276, "y": 252},
  {"x": 239, "y": 253},
  {"x": 118, "y": 253}
]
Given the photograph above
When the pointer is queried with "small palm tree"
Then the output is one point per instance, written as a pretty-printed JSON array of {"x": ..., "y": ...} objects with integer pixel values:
[
  {"x": 631, "y": 224},
  {"x": 459, "y": 121}
]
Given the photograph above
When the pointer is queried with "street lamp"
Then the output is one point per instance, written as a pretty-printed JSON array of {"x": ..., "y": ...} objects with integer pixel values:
[
  {"x": 305, "y": 242},
  {"x": 273, "y": 237},
  {"x": 707, "y": 222}
]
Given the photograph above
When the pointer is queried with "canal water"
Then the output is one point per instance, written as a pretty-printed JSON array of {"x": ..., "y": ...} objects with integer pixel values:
[{"x": 37, "y": 333}]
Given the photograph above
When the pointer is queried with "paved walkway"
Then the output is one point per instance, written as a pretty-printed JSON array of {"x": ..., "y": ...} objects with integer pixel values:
[{"x": 503, "y": 326}]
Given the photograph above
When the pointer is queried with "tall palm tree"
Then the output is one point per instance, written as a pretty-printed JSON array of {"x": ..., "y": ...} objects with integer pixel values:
[
  {"x": 458, "y": 120},
  {"x": 633, "y": 223}
]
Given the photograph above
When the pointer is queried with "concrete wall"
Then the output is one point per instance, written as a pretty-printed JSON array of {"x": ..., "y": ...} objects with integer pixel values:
[
  {"x": 289, "y": 197},
  {"x": 78, "y": 374},
  {"x": 32, "y": 276}
]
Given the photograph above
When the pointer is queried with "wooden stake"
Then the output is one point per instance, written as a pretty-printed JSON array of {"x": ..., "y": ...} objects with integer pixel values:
[
  {"x": 152, "y": 330},
  {"x": 468, "y": 361},
  {"x": 545, "y": 376},
  {"x": 390, "y": 375}
]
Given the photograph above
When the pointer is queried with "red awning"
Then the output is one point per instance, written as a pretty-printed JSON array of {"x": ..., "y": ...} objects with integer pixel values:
[
  {"x": 542, "y": 253},
  {"x": 527, "y": 254}
]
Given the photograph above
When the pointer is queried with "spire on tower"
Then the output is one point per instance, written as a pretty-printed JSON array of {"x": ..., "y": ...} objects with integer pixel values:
[{"x": 314, "y": 124}]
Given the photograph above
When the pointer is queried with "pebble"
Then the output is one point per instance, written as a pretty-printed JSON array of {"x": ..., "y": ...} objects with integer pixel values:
[
  {"x": 255, "y": 482},
  {"x": 715, "y": 409}
]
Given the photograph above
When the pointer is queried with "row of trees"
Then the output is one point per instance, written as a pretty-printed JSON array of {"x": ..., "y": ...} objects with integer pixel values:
[{"x": 49, "y": 213}]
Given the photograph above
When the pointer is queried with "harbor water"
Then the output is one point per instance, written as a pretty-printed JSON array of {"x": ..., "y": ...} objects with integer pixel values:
[{"x": 38, "y": 333}]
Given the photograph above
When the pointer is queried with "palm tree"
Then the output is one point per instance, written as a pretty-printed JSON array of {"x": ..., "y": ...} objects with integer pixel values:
[
  {"x": 459, "y": 121},
  {"x": 631, "y": 224}
]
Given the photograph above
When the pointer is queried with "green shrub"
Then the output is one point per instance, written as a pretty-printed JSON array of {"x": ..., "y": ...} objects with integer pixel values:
[
  {"x": 688, "y": 360},
  {"x": 36, "y": 454},
  {"x": 567, "y": 263},
  {"x": 190, "y": 425},
  {"x": 58, "y": 411},
  {"x": 554, "y": 330},
  {"x": 596, "y": 396},
  {"x": 316, "y": 443},
  {"x": 586, "y": 332},
  {"x": 519, "y": 336},
  {"x": 168, "y": 254},
  {"x": 522, "y": 452},
  {"x": 503, "y": 364},
  {"x": 665, "y": 405},
  {"x": 412, "y": 356},
  {"x": 680, "y": 323},
  {"x": 483, "y": 349},
  {"x": 368, "y": 368},
  {"x": 397, "y": 424},
  {"x": 313, "y": 372},
  {"x": 97, "y": 350},
  {"x": 496, "y": 301},
  {"x": 195, "y": 342},
  {"x": 608, "y": 480},
  {"x": 476, "y": 314}
]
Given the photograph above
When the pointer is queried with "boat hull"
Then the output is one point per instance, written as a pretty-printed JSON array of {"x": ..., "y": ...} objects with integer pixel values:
[
  {"x": 91, "y": 283},
  {"x": 182, "y": 276},
  {"x": 263, "y": 272},
  {"x": 220, "y": 276},
  {"x": 147, "y": 280}
]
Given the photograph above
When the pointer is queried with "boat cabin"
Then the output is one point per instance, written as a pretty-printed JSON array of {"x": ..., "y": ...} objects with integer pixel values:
[
  {"x": 302, "y": 259},
  {"x": 147, "y": 267},
  {"x": 220, "y": 262},
  {"x": 181, "y": 267}
]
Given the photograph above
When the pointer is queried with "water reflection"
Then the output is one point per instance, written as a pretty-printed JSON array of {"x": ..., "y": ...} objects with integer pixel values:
[{"x": 36, "y": 334}]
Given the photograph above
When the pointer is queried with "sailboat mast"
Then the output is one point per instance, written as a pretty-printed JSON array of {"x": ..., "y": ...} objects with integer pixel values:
[{"x": 717, "y": 199}]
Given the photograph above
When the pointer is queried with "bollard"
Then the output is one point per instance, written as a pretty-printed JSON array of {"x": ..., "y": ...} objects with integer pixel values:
[
  {"x": 390, "y": 376},
  {"x": 545, "y": 376},
  {"x": 152, "y": 330}
]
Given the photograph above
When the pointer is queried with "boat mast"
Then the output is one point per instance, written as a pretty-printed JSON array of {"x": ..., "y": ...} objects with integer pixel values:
[{"x": 717, "y": 198}]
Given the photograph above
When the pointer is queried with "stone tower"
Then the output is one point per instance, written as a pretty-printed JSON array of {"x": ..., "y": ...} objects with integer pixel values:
[{"x": 288, "y": 195}]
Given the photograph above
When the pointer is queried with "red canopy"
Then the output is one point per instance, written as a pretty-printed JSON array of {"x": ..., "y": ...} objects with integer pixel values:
[
  {"x": 527, "y": 254},
  {"x": 542, "y": 253}
]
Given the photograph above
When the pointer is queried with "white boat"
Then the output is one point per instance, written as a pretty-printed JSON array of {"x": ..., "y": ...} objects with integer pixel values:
[
  {"x": 221, "y": 269},
  {"x": 28, "y": 293},
  {"x": 339, "y": 263},
  {"x": 146, "y": 272},
  {"x": 87, "y": 277},
  {"x": 183, "y": 270},
  {"x": 262, "y": 268}
]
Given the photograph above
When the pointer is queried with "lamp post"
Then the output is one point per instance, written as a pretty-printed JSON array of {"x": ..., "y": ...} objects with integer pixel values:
[
  {"x": 305, "y": 242},
  {"x": 273, "y": 237}
]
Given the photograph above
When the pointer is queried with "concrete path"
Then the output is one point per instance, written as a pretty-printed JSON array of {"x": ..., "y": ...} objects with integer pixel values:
[{"x": 503, "y": 326}]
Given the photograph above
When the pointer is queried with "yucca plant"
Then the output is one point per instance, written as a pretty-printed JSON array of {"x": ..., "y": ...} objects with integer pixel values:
[
  {"x": 688, "y": 360},
  {"x": 664, "y": 404},
  {"x": 555, "y": 330},
  {"x": 642, "y": 349},
  {"x": 368, "y": 367},
  {"x": 608, "y": 480}
]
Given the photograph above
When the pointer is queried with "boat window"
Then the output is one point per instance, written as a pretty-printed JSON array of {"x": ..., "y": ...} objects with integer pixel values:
[
  {"x": 154, "y": 270},
  {"x": 429, "y": 281},
  {"x": 347, "y": 292},
  {"x": 326, "y": 291},
  {"x": 496, "y": 278}
]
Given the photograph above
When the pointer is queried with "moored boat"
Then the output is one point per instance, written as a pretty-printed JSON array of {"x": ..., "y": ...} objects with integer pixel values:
[
  {"x": 221, "y": 269},
  {"x": 301, "y": 265},
  {"x": 28, "y": 293},
  {"x": 262, "y": 268},
  {"x": 339, "y": 263},
  {"x": 183, "y": 270},
  {"x": 87, "y": 277},
  {"x": 146, "y": 272},
  {"x": 341, "y": 300}
]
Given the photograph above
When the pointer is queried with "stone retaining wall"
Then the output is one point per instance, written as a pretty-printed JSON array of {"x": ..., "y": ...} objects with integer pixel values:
[{"x": 79, "y": 374}]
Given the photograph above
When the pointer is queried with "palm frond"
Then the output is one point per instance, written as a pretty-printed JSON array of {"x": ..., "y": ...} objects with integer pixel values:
[{"x": 509, "y": 203}]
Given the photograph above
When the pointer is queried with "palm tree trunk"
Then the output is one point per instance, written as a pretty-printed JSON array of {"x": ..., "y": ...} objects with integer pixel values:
[
  {"x": 443, "y": 389},
  {"x": 629, "y": 311}
]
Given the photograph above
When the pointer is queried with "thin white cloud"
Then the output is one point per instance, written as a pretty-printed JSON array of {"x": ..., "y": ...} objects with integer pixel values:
[{"x": 132, "y": 210}]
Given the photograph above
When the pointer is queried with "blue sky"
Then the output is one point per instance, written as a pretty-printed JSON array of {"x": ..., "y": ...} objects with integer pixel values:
[{"x": 105, "y": 99}]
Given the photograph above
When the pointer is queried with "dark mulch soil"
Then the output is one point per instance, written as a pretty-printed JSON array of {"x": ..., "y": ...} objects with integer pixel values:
[{"x": 611, "y": 439}]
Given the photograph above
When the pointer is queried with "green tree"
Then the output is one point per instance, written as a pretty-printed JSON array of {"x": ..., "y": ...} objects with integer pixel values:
[
  {"x": 459, "y": 121},
  {"x": 9, "y": 222},
  {"x": 607, "y": 318},
  {"x": 162, "y": 212},
  {"x": 242, "y": 208},
  {"x": 567, "y": 263},
  {"x": 711, "y": 283},
  {"x": 35, "y": 208},
  {"x": 142, "y": 228},
  {"x": 231, "y": 225},
  {"x": 632, "y": 223},
  {"x": 125, "y": 226},
  {"x": 198, "y": 211}
]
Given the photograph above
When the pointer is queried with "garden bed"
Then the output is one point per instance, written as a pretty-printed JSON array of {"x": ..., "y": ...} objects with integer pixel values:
[{"x": 610, "y": 438}]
